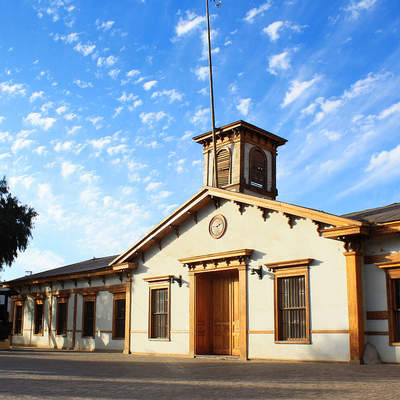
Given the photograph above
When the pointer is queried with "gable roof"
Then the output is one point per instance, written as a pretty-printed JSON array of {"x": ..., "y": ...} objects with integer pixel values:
[
  {"x": 206, "y": 195},
  {"x": 379, "y": 215},
  {"x": 78, "y": 268}
]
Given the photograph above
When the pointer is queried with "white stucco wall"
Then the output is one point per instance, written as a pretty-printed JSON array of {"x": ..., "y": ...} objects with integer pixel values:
[
  {"x": 375, "y": 295},
  {"x": 272, "y": 240},
  {"x": 104, "y": 319}
]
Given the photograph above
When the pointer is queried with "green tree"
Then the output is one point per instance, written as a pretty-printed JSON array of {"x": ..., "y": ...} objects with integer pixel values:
[{"x": 16, "y": 223}]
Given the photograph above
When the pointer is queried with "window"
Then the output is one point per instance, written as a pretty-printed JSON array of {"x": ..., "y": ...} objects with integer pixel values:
[
  {"x": 159, "y": 313},
  {"x": 89, "y": 316},
  {"x": 18, "y": 320},
  {"x": 258, "y": 168},
  {"x": 393, "y": 289},
  {"x": 223, "y": 167},
  {"x": 292, "y": 309},
  {"x": 62, "y": 313},
  {"x": 38, "y": 322},
  {"x": 119, "y": 316}
]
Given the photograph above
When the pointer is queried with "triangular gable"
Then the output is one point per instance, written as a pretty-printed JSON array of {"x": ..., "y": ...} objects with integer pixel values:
[{"x": 205, "y": 196}]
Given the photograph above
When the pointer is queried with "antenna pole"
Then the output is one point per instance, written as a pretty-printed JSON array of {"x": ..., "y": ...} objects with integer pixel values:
[{"x": 215, "y": 183}]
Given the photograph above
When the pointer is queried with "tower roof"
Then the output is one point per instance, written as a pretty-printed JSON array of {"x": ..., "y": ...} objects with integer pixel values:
[{"x": 279, "y": 141}]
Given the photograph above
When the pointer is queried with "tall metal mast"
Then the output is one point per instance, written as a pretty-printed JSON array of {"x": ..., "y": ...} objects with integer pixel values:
[{"x": 215, "y": 183}]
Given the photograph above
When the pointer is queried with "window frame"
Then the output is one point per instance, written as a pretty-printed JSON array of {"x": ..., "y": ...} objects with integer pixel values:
[
  {"x": 251, "y": 158},
  {"x": 62, "y": 300},
  {"x": 87, "y": 299},
  {"x": 291, "y": 273},
  {"x": 38, "y": 302},
  {"x": 393, "y": 275},
  {"x": 118, "y": 297},
  {"x": 18, "y": 304},
  {"x": 152, "y": 288}
]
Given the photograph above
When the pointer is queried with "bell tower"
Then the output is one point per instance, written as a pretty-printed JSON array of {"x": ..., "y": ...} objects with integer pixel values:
[{"x": 246, "y": 159}]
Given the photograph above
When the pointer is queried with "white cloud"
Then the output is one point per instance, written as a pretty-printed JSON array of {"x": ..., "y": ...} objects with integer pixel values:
[
  {"x": 40, "y": 150},
  {"x": 107, "y": 61},
  {"x": 201, "y": 73},
  {"x": 46, "y": 107},
  {"x": 244, "y": 106},
  {"x": 73, "y": 130},
  {"x": 389, "y": 111},
  {"x": 148, "y": 85},
  {"x": 132, "y": 73},
  {"x": 279, "y": 62},
  {"x": 114, "y": 73},
  {"x": 2, "y": 118},
  {"x": 151, "y": 117},
  {"x": 364, "y": 86},
  {"x": 83, "y": 84},
  {"x": 69, "y": 116},
  {"x": 61, "y": 110},
  {"x": 70, "y": 38},
  {"x": 153, "y": 186},
  {"x": 296, "y": 89},
  {"x": 67, "y": 169},
  {"x": 96, "y": 121},
  {"x": 332, "y": 135},
  {"x": 309, "y": 110},
  {"x": 20, "y": 144},
  {"x": 356, "y": 7},
  {"x": 272, "y": 30},
  {"x": 36, "y": 95},
  {"x": 254, "y": 12},
  {"x": 85, "y": 49},
  {"x": 201, "y": 117},
  {"x": 172, "y": 94},
  {"x": 36, "y": 119},
  {"x": 119, "y": 149},
  {"x": 127, "y": 98},
  {"x": 63, "y": 146},
  {"x": 188, "y": 24},
  {"x": 12, "y": 89},
  {"x": 327, "y": 106},
  {"x": 104, "y": 26}
]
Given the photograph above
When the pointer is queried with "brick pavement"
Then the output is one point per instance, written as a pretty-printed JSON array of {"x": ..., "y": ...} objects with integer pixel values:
[{"x": 67, "y": 375}]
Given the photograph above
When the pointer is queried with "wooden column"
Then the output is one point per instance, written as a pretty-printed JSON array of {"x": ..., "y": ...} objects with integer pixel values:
[
  {"x": 355, "y": 305},
  {"x": 127, "y": 346},
  {"x": 74, "y": 321},
  {"x": 50, "y": 317},
  {"x": 243, "y": 311},
  {"x": 192, "y": 302}
]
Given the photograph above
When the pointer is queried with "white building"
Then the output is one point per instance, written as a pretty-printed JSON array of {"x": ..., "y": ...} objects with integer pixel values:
[{"x": 232, "y": 271}]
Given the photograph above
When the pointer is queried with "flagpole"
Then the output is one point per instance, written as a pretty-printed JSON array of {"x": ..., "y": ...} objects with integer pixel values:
[{"x": 215, "y": 183}]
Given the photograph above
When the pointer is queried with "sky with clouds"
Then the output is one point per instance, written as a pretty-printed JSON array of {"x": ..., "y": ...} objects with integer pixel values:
[{"x": 99, "y": 101}]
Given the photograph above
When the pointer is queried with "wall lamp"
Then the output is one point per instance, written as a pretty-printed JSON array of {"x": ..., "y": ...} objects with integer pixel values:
[
  {"x": 173, "y": 279},
  {"x": 257, "y": 271}
]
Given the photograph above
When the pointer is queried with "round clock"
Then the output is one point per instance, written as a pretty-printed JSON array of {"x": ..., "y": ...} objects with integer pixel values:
[{"x": 217, "y": 226}]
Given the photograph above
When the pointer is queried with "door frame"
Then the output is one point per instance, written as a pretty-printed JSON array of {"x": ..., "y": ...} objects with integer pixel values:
[{"x": 232, "y": 260}]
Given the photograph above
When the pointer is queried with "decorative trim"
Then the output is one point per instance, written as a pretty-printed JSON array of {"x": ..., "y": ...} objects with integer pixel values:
[
  {"x": 125, "y": 266},
  {"x": 226, "y": 256},
  {"x": 337, "y": 232},
  {"x": 376, "y": 333},
  {"x": 388, "y": 264},
  {"x": 376, "y": 315},
  {"x": 304, "y": 262},
  {"x": 381, "y": 258}
]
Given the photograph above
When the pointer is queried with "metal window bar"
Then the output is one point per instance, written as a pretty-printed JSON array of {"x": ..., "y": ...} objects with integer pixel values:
[
  {"x": 88, "y": 328},
  {"x": 61, "y": 318},
  {"x": 18, "y": 320},
  {"x": 38, "y": 319},
  {"x": 292, "y": 308},
  {"x": 120, "y": 318},
  {"x": 159, "y": 323}
]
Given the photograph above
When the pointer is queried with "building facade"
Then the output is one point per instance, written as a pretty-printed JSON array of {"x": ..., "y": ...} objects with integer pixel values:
[{"x": 232, "y": 272}]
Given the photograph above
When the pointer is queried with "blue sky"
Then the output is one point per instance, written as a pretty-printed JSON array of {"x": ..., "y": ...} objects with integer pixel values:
[{"x": 99, "y": 101}]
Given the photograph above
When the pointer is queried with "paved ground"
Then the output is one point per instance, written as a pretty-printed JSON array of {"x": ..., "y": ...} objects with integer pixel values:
[{"x": 67, "y": 375}]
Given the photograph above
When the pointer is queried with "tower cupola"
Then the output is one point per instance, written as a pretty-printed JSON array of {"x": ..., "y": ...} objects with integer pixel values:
[{"x": 246, "y": 159}]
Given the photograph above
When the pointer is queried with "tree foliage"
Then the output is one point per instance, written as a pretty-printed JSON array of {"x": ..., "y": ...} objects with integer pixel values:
[{"x": 16, "y": 223}]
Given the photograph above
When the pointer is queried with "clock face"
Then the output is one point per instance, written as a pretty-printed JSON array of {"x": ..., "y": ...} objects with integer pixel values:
[{"x": 217, "y": 226}]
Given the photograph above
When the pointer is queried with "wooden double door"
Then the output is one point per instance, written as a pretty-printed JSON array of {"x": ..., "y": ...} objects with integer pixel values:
[{"x": 217, "y": 328}]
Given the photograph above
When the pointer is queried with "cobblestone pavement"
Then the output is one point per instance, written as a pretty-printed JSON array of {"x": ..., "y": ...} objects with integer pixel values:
[{"x": 68, "y": 375}]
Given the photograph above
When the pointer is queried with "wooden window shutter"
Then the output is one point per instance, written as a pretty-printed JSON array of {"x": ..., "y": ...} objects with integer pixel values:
[
  {"x": 223, "y": 166},
  {"x": 258, "y": 169}
]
